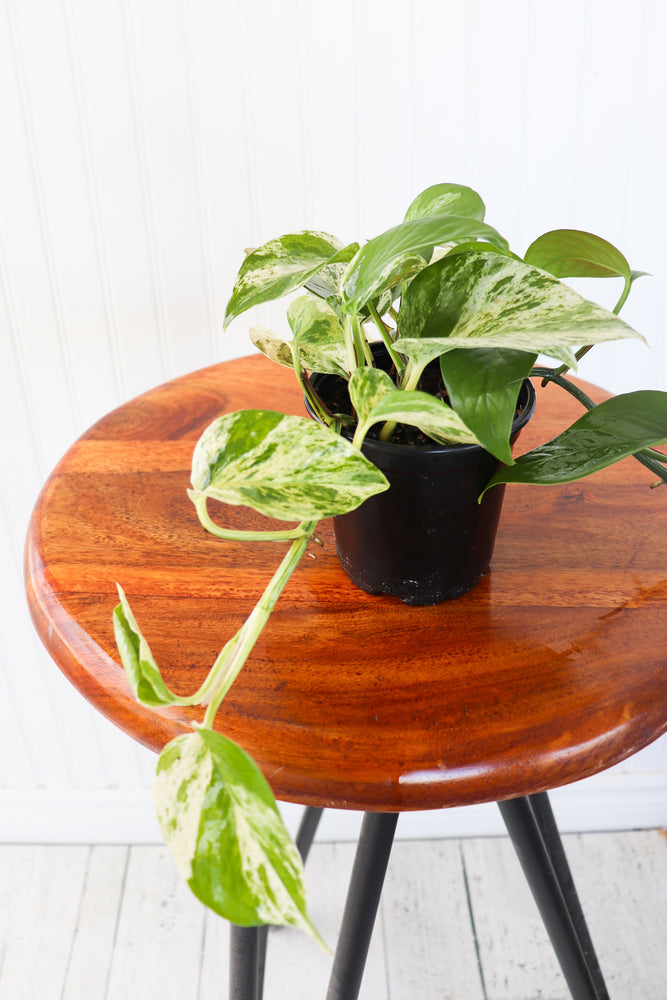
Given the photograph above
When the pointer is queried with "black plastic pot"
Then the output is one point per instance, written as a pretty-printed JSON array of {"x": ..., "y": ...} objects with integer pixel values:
[{"x": 426, "y": 539}]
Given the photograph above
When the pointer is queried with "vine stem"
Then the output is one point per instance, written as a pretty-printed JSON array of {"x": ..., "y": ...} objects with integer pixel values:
[
  {"x": 234, "y": 654},
  {"x": 199, "y": 500}
]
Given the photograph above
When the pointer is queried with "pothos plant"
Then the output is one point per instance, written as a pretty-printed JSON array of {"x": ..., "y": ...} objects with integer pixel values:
[{"x": 443, "y": 287}]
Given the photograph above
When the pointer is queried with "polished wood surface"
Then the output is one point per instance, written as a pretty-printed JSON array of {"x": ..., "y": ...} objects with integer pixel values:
[{"x": 553, "y": 668}]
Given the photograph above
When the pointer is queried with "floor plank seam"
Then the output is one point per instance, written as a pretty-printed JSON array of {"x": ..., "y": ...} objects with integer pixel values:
[
  {"x": 471, "y": 914},
  {"x": 117, "y": 922}
]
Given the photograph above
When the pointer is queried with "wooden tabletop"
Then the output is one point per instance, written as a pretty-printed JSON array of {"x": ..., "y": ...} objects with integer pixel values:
[{"x": 552, "y": 669}]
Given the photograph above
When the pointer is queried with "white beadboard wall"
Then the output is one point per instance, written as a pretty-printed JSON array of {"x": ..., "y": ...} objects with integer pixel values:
[{"x": 145, "y": 143}]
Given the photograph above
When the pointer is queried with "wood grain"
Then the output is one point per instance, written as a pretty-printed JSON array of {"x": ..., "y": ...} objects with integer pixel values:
[{"x": 552, "y": 669}]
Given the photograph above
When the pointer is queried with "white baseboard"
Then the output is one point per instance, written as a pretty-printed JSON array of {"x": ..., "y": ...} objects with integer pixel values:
[{"x": 609, "y": 801}]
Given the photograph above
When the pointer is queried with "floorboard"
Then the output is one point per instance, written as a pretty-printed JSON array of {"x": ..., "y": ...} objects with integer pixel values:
[{"x": 456, "y": 922}]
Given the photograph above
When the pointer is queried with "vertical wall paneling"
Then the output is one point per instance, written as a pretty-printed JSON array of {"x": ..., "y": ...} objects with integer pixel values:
[{"x": 146, "y": 144}]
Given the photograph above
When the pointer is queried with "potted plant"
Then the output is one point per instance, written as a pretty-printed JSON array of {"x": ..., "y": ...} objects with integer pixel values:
[{"x": 419, "y": 343}]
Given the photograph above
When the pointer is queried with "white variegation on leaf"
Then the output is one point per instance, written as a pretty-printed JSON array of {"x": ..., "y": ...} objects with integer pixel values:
[
  {"x": 419, "y": 409},
  {"x": 220, "y": 820},
  {"x": 138, "y": 661},
  {"x": 367, "y": 387},
  {"x": 283, "y": 466},
  {"x": 272, "y": 346},
  {"x": 319, "y": 339},
  {"x": 280, "y": 266},
  {"x": 446, "y": 199},
  {"x": 402, "y": 252},
  {"x": 486, "y": 300}
]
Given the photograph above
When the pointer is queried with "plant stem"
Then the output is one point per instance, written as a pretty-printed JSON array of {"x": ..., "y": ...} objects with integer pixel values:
[
  {"x": 235, "y": 653},
  {"x": 199, "y": 500},
  {"x": 396, "y": 358}
]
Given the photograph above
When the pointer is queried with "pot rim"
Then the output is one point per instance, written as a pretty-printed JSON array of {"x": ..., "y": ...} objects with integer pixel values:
[{"x": 396, "y": 448}]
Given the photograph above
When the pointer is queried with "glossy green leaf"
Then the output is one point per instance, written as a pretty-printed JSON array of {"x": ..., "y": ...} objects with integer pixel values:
[
  {"x": 486, "y": 300},
  {"x": 138, "y": 662},
  {"x": 280, "y": 266},
  {"x": 616, "y": 428},
  {"x": 483, "y": 387},
  {"x": 446, "y": 199},
  {"x": 220, "y": 821},
  {"x": 283, "y": 466},
  {"x": 394, "y": 256},
  {"x": 318, "y": 336},
  {"x": 571, "y": 253},
  {"x": 419, "y": 409},
  {"x": 272, "y": 346}
]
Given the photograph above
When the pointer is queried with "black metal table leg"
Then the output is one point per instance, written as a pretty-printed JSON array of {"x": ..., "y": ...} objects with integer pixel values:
[
  {"x": 533, "y": 831},
  {"x": 368, "y": 872},
  {"x": 243, "y": 962}
]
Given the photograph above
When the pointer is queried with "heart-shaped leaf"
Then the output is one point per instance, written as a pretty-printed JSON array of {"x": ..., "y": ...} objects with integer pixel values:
[
  {"x": 421, "y": 410},
  {"x": 397, "y": 254},
  {"x": 319, "y": 339},
  {"x": 138, "y": 662},
  {"x": 282, "y": 265},
  {"x": 616, "y": 428},
  {"x": 487, "y": 300},
  {"x": 483, "y": 387},
  {"x": 220, "y": 821},
  {"x": 446, "y": 199},
  {"x": 284, "y": 466},
  {"x": 571, "y": 253}
]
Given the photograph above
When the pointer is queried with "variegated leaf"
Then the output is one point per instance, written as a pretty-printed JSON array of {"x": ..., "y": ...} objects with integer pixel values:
[
  {"x": 485, "y": 300},
  {"x": 421, "y": 410},
  {"x": 221, "y": 823},
  {"x": 447, "y": 199},
  {"x": 328, "y": 281},
  {"x": 367, "y": 387},
  {"x": 284, "y": 466},
  {"x": 138, "y": 661},
  {"x": 271, "y": 345},
  {"x": 318, "y": 336},
  {"x": 397, "y": 254},
  {"x": 280, "y": 266}
]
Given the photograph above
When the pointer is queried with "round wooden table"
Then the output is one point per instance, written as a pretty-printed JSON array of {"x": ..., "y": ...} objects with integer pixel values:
[{"x": 552, "y": 669}]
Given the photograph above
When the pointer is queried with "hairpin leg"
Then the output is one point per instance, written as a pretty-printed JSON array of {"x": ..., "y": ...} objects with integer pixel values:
[
  {"x": 248, "y": 944},
  {"x": 368, "y": 872},
  {"x": 532, "y": 828}
]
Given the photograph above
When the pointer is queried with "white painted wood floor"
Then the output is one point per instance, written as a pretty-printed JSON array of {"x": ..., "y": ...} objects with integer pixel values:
[{"x": 456, "y": 923}]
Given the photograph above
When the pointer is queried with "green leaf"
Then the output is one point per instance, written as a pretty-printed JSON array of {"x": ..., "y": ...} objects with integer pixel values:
[
  {"x": 283, "y": 466},
  {"x": 447, "y": 199},
  {"x": 571, "y": 253},
  {"x": 280, "y": 266},
  {"x": 483, "y": 387},
  {"x": 319, "y": 339},
  {"x": 396, "y": 255},
  {"x": 486, "y": 300},
  {"x": 616, "y": 428},
  {"x": 138, "y": 662},
  {"x": 421, "y": 410},
  {"x": 273, "y": 346},
  {"x": 220, "y": 821}
]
